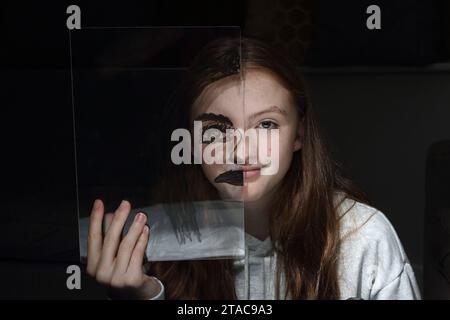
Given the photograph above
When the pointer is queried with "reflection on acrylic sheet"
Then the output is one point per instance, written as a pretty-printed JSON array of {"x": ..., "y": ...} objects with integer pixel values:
[{"x": 188, "y": 230}]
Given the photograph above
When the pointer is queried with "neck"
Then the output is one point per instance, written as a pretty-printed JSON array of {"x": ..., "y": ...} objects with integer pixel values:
[{"x": 257, "y": 218}]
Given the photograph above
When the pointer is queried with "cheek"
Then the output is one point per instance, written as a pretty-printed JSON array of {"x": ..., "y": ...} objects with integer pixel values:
[
  {"x": 211, "y": 171},
  {"x": 215, "y": 153},
  {"x": 280, "y": 148},
  {"x": 286, "y": 148},
  {"x": 207, "y": 170},
  {"x": 289, "y": 147}
]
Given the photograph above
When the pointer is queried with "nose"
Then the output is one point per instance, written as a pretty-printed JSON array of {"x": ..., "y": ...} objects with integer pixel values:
[
  {"x": 235, "y": 150},
  {"x": 245, "y": 147}
]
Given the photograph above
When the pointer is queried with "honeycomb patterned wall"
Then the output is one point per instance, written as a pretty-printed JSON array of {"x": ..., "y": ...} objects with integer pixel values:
[{"x": 285, "y": 24}]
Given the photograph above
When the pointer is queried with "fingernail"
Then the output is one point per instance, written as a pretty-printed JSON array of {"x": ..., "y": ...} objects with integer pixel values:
[
  {"x": 141, "y": 217},
  {"x": 96, "y": 203},
  {"x": 146, "y": 229},
  {"x": 123, "y": 203}
]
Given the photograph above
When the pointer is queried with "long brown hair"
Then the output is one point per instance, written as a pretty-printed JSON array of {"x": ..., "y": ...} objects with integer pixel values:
[{"x": 304, "y": 221}]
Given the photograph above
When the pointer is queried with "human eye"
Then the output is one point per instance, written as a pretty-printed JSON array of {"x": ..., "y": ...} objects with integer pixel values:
[
  {"x": 267, "y": 124},
  {"x": 214, "y": 133}
]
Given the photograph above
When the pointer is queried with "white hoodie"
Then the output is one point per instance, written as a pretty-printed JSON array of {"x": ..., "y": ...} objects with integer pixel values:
[{"x": 372, "y": 262}]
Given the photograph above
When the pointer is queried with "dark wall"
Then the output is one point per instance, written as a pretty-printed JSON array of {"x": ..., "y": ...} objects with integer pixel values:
[{"x": 380, "y": 126}]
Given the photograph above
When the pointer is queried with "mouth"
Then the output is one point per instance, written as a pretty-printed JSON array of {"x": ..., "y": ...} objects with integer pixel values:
[
  {"x": 250, "y": 172},
  {"x": 236, "y": 176}
]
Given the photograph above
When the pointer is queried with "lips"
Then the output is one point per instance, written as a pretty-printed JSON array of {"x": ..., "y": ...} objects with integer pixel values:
[
  {"x": 236, "y": 177},
  {"x": 250, "y": 172},
  {"x": 249, "y": 168}
]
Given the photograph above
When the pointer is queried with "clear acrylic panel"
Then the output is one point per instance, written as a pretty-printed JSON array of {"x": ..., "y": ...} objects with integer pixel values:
[{"x": 129, "y": 95}]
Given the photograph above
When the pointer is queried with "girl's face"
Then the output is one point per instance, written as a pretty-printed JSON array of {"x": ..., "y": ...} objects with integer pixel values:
[{"x": 259, "y": 102}]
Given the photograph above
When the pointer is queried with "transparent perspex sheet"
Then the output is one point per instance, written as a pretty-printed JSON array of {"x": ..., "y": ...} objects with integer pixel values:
[{"x": 129, "y": 94}]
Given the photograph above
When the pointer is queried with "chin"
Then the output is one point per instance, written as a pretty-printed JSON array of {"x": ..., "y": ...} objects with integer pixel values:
[
  {"x": 261, "y": 189},
  {"x": 230, "y": 192},
  {"x": 251, "y": 198},
  {"x": 253, "y": 192}
]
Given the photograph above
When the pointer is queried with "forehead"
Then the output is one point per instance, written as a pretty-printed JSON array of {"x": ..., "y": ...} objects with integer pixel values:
[{"x": 236, "y": 97}]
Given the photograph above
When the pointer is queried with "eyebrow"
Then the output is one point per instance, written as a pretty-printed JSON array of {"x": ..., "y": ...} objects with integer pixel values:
[
  {"x": 214, "y": 117},
  {"x": 224, "y": 119},
  {"x": 271, "y": 109}
]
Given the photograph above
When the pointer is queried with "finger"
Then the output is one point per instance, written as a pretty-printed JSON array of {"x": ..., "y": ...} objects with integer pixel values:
[
  {"x": 107, "y": 219},
  {"x": 137, "y": 258},
  {"x": 128, "y": 243},
  {"x": 95, "y": 236},
  {"x": 112, "y": 237}
]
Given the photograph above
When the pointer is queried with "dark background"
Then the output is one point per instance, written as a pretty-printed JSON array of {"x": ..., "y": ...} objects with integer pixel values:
[{"x": 381, "y": 96}]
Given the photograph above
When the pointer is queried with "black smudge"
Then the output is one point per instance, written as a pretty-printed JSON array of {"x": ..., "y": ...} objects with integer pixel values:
[{"x": 234, "y": 177}]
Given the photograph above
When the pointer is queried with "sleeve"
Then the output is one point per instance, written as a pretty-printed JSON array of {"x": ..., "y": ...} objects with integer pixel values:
[
  {"x": 373, "y": 263},
  {"x": 160, "y": 295},
  {"x": 403, "y": 287},
  {"x": 394, "y": 278}
]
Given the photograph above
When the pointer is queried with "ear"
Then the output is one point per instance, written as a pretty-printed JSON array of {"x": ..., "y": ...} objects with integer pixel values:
[{"x": 298, "y": 142}]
